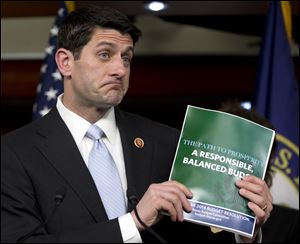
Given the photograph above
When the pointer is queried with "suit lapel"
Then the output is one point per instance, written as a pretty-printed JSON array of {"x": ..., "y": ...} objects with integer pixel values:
[
  {"x": 137, "y": 159},
  {"x": 59, "y": 148},
  {"x": 57, "y": 144}
]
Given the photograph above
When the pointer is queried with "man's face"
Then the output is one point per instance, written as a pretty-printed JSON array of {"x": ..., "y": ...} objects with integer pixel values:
[{"x": 100, "y": 77}]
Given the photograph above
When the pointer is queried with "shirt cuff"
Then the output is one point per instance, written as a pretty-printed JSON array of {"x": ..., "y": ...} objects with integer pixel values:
[
  {"x": 258, "y": 238},
  {"x": 130, "y": 233}
]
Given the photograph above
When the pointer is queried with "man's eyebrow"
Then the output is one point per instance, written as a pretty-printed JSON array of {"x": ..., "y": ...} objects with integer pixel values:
[
  {"x": 129, "y": 49},
  {"x": 105, "y": 43}
]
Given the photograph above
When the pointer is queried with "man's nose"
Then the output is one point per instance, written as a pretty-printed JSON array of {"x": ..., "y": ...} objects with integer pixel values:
[{"x": 118, "y": 67}]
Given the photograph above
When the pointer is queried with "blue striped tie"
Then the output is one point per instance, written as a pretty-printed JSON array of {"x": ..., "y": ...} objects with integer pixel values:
[{"x": 105, "y": 174}]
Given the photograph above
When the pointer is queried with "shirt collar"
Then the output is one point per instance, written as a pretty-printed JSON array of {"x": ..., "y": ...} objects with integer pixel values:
[{"x": 78, "y": 126}]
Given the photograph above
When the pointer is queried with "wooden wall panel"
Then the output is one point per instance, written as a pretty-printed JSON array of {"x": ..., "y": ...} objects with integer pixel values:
[
  {"x": 158, "y": 84},
  {"x": 191, "y": 75},
  {"x": 28, "y": 8},
  {"x": 151, "y": 76},
  {"x": 19, "y": 78},
  {"x": 160, "y": 87}
]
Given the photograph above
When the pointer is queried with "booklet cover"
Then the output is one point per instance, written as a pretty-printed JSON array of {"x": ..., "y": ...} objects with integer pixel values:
[{"x": 214, "y": 150}]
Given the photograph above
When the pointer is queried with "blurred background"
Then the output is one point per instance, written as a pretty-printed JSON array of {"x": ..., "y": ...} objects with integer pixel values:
[{"x": 194, "y": 52}]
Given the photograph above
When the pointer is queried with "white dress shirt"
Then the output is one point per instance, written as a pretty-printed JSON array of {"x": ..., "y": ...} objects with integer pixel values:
[{"x": 78, "y": 127}]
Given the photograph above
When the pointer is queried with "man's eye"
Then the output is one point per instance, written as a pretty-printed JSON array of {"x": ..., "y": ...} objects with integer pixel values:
[
  {"x": 126, "y": 59},
  {"x": 104, "y": 55}
]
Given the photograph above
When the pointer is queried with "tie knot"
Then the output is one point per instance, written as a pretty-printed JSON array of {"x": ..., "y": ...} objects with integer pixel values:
[{"x": 94, "y": 132}]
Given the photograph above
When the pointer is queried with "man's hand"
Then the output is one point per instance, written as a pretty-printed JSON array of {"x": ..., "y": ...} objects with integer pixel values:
[
  {"x": 260, "y": 200},
  {"x": 169, "y": 196}
]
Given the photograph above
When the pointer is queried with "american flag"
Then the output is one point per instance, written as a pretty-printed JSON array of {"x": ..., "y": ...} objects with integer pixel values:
[{"x": 51, "y": 83}]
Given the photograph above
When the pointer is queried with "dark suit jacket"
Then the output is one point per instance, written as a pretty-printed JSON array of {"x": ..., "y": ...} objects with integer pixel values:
[
  {"x": 41, "y": 157},
  {"x": 282, "y": 226}
]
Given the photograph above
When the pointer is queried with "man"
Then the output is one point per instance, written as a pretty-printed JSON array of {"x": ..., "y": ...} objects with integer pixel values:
[{"x": 53, "y": 158}]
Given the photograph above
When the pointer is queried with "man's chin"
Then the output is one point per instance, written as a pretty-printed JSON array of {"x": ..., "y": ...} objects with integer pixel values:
[
  {"x": 115, "y": 97},
  {"x": 113, "y": 102}
]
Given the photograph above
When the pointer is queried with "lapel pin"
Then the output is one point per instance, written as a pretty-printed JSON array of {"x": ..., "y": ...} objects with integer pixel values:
[{"x": 138, "y": 142}]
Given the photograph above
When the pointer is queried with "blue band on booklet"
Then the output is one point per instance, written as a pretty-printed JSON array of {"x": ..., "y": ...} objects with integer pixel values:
[{"x": 221, "y": 217}]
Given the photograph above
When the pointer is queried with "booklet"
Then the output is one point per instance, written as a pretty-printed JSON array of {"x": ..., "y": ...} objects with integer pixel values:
[{"x": 214, "y": 150}]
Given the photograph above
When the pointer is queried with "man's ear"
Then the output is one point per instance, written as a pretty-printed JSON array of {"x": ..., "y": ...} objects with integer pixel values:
[{"x": 64, "y": 60}]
